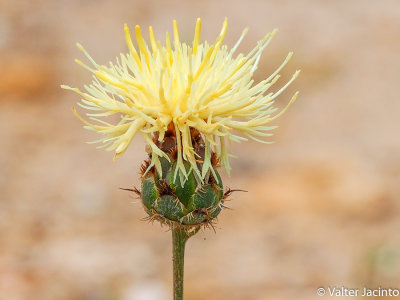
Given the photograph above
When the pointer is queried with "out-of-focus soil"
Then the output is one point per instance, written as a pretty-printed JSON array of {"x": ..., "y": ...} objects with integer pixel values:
[{"x": 322, "y": 207}]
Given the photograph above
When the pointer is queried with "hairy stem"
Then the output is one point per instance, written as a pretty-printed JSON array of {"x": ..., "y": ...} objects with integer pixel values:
[{"x": 179, "y": 238}]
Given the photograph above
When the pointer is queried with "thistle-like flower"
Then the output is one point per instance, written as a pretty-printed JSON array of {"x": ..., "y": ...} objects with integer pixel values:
[
  {"x": 187, "y": 101},
  {"x": 199, "y": 93}
]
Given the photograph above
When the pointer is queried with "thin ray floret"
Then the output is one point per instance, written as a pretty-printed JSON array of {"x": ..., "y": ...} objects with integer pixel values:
[{"x": 197, "y": 88}]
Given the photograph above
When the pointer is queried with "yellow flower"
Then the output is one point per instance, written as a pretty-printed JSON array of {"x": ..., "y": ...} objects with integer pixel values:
[{"x": 200, "y": 86}]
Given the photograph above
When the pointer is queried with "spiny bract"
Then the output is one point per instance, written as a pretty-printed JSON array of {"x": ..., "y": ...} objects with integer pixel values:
[
  {"x": 199, "y": 86},
  {"x": 167, "y": 199}
]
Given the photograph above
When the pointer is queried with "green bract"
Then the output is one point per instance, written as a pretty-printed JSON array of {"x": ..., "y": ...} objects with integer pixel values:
[{"x": 193, "y": 203}]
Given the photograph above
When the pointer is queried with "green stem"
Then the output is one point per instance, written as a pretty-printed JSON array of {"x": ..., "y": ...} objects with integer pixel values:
[{"x": 179, "y": 238}]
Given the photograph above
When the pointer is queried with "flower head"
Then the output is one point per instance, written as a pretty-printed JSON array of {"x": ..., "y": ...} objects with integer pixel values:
[{"x": 203, "y": 88}]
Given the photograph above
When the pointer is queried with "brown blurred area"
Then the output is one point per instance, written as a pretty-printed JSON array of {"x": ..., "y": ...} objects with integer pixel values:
[{"x": 322, "y": 207}]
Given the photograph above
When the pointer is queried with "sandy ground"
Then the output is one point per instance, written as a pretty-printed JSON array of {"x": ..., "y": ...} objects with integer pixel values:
[{"x": 322, "y": 207}]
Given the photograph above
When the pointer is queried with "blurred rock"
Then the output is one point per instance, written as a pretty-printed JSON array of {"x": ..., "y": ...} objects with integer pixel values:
[
  {"x": 148, "y": 290},
  {"x": 25, "y": 76}
]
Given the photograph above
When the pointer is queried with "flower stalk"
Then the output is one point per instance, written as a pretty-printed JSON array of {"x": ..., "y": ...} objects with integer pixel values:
[
  {"x": 179, "y": 238},
  {"x": 180, "y": 235}
]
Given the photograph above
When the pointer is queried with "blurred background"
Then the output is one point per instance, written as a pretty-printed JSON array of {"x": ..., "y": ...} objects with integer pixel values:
[{"x": 322, "y": 207}]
